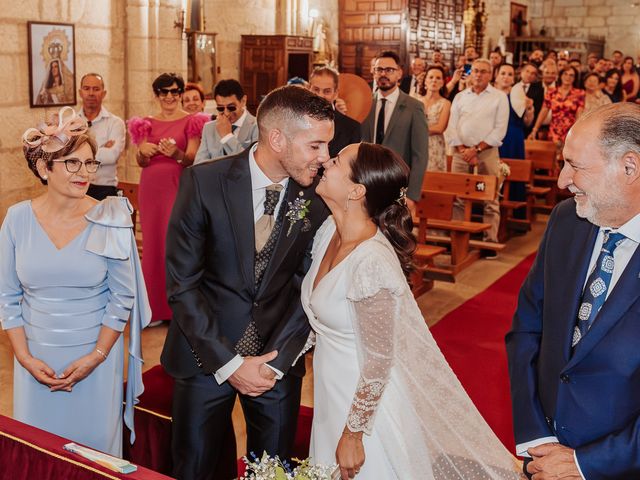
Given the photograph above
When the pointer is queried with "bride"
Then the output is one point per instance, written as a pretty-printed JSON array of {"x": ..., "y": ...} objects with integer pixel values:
[{"x": 386, "y": 403}]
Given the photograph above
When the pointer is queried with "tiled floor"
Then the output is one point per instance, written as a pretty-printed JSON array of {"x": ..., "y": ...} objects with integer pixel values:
[{"x": 434, "y": 305}]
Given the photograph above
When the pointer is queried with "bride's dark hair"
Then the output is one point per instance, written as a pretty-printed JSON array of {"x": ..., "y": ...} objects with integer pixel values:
[{"x": 386, "y": 176}]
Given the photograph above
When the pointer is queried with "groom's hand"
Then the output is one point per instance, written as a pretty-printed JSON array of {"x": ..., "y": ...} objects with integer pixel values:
[{"x": 248, "y": 380}]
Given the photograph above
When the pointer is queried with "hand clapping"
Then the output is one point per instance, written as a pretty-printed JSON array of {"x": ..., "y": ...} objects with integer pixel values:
[{"x": 167, "y": 146}]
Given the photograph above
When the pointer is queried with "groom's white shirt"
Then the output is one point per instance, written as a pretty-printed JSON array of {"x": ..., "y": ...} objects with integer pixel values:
[{"x": 259, "y": 184}]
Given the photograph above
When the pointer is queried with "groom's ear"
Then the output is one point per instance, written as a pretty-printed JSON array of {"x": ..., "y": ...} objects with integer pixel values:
[{"x": 277, "y": 140}]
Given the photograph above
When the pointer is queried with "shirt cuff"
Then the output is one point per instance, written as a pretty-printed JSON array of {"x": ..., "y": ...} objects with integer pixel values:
[
  {"x": 228, "y": 369},
  {"x": 575, "y": 459},
  {"x": 521, "y": 448},
  {"x": 226, "y": 138},
  {"x": 278, "y": 373}
]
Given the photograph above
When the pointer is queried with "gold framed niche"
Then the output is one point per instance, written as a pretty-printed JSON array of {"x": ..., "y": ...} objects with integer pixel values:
[{"x": 201, "y": 60}]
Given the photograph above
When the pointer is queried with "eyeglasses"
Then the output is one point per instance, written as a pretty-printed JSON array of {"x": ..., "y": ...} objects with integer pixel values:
[
  {"x": 387, "y": 70},
  {"x": 230, "y": 108},
  {"x": 73, "y": 165},
  {"x": 163, "y": 92}
]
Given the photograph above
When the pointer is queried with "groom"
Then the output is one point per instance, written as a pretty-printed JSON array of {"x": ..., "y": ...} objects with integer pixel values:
[{"x": 237, "y": 248}]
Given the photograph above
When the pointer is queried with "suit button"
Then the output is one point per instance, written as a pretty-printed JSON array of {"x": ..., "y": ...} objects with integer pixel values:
[
  {"x": 564, "y": 378},
  {"x": 256, "y": 304}
]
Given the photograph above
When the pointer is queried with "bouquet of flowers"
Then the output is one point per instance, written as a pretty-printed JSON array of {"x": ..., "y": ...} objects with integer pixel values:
[{"x": 272, "y": 468}]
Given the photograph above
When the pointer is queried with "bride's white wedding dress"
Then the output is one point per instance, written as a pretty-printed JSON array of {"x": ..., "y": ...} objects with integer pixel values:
[{"x": 377, "y": 369}]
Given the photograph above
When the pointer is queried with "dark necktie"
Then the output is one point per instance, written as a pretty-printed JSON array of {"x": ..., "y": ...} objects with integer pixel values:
[
  {"x": 264, "y": 225},
  {"x": 380, "y": 123},
  {"x": 595, "y": 290},
  {"x": 234, "y": 128}
]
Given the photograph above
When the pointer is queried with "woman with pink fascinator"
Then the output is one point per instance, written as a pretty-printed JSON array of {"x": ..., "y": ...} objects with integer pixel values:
[{"x": 70, "y": 280}]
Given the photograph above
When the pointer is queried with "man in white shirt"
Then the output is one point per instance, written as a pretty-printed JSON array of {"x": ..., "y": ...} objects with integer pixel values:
[
  {"x": 573, "y": 347},
  {"x": 477, "y": 125},
  {"x": 108, "y": 131},
  {"x": 233, "y": 130}
]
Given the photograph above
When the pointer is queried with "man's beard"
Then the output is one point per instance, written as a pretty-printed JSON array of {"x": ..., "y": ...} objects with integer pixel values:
[{"x": 386, "y": 88}]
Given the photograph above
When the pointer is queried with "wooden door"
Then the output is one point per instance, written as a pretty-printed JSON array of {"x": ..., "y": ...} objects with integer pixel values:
[
  {"x": 368, "y": 27},
  {"x": 436, "y": 24}
]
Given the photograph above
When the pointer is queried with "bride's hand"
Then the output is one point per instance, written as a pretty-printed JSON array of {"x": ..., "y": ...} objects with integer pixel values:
[{"x": 350, "y": 454}]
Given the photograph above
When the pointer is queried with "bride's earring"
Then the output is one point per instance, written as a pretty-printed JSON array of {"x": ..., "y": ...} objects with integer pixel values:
[{"x": 346, "y": 204}]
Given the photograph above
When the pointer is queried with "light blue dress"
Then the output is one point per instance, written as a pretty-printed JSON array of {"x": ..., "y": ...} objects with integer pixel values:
[{"x": 62, "y": 297}]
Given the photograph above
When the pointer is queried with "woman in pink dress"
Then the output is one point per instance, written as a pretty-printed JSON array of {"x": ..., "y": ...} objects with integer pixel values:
[
  {"x": 630, "y": 80},
  {"x": 167, "y": 143}
]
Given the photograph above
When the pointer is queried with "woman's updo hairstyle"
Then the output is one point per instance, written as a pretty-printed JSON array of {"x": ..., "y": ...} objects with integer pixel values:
[
  {"x": 386, "y": 176},
  {"x": 64, "y": 133}
]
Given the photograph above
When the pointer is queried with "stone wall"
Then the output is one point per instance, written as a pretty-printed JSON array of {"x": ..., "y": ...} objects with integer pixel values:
[
  {"x": 128, "y": 41},
  {"x": 248, "y": 17},
  {"x": 615, "y": 20}
]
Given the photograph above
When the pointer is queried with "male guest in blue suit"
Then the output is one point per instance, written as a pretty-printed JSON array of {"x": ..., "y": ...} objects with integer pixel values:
[
  {"x": 233, "y": 130},
  {"x": 574, "y": 359}
]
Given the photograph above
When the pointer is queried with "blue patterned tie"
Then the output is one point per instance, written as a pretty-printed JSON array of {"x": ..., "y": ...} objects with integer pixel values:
[{"x": 595, "y": 290}]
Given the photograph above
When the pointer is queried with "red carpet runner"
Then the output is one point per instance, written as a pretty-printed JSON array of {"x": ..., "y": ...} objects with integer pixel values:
[{"x": 471, "y": 338}]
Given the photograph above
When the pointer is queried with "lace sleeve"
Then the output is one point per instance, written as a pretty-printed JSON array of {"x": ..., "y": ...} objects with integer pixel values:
[{"x": 374, "y": 328}]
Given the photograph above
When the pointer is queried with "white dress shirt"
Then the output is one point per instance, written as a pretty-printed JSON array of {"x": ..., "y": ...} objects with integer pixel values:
[
  {"x": 107, "y": 126},
  {"x": 478, "y": 117},
  {"x": 519, "y": 98},
  {"x": 238, "y": 123},
  {"x": 390, "y": 105},
  {"x": 621, "y": 257},
  {"x": 259, "y": 184}
]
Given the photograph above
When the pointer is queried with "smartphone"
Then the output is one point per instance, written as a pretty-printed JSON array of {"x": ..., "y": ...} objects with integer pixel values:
[{"x": 467, "y": 68}]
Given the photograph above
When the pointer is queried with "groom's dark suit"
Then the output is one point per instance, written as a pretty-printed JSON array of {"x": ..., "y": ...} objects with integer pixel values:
[
  {"x": 589, "y": 400},
  {"x": 211, "y": 289}
]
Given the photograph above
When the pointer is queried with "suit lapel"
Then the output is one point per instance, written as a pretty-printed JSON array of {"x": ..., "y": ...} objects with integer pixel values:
[
  {"x": 237, "y": 194},
  {"x": 371, "y": 119},
  {"x": 285, "y": 241},
  {"x": 245, "y": 129},
  {"x": 397, "y": 112},
  {"x": 624, "y": 294}
]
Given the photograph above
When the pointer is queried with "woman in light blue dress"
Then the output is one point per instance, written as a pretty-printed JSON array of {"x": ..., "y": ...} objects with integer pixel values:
[{"x": 69, "y": 282}]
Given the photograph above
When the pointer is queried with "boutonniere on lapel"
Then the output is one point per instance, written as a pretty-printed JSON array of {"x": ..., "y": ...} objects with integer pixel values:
[{"x": 297, "y": 211}]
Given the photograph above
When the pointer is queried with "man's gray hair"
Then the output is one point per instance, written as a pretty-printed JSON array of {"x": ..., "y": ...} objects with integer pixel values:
[
  {"x": 483, "y": 60},
  {"x": 620, "y": 128}
]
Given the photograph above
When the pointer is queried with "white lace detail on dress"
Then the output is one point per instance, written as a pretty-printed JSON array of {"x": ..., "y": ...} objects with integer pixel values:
[
  {"x": 374, "y": 335},
  {"x": 308, "y": 345}
]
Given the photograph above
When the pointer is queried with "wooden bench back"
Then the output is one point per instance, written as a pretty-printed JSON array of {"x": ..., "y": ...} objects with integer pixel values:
[
  {"x": 521, "y": 170},
  {"x": 130, "y": 190},
  {"x": 464, "y": 185},
  {"x": 542, "y": 154}
]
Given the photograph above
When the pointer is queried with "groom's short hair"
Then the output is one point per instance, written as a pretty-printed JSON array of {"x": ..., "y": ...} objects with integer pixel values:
[{"x": 286, "y": 108}]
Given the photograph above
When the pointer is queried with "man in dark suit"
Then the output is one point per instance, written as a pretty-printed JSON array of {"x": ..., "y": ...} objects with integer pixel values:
[
  {"x": 323, "y": 81},
  {"x": 237, "y": 249},
  {"x": 410, "y": 84},
  {"x": 573, "y": 348},
  {"x": 529, "y": 87},
  {"x": 398, "y": 122}
]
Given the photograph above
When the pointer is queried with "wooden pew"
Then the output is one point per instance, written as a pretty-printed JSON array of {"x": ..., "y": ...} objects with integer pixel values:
[
  {"x": 543, "y": 155},
  {"x": 521, "y": 171},
  {"x": 434, "y": 211},
  {"x": 425, "y": 254},
  {"x": 130, "y": 190}
]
